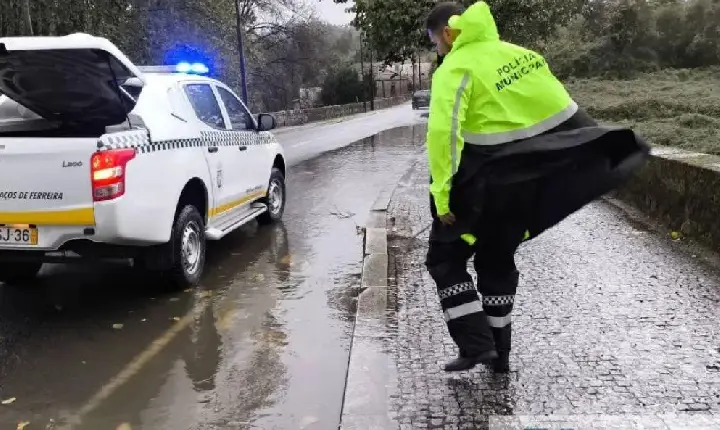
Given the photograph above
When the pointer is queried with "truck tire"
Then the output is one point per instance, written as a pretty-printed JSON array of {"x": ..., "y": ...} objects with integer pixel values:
[
  {"x": 18, "y": 272},
  {"x": 275, "y": 199},
  {"x": 188, "y": 246}
]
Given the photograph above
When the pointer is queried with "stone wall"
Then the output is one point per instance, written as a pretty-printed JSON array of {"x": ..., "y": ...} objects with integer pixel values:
[
  {"x": 681, "y": 189},
  {"x": 303, "y": 116}
]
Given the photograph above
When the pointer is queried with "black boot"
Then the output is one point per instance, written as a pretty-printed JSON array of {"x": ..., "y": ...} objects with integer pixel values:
[
  {"x": 503, "y": 338},
  {"x": 467, "y": 362},
  {"x": 502, "y": 363}
]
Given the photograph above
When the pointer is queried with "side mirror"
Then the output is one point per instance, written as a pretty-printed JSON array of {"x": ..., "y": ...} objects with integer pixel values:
[{"x": 266, "y": 122}]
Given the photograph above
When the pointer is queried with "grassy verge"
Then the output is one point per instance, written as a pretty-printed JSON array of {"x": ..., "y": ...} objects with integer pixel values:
[{"x": 678, "y": 108}]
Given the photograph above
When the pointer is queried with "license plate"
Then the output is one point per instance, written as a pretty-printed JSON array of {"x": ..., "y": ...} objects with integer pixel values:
[{"x": 18, "y": 236}]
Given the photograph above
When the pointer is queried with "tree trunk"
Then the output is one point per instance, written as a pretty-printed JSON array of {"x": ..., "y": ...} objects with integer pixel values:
[
  {"x": 420, "y": 81},
  {"x": 27, "y": 18},
  {"x": 362, "y": 73},
  {"x": 52, "y": 23},
  {"x": 414, "y": 82},
  {"x": 373, "y": 88}
]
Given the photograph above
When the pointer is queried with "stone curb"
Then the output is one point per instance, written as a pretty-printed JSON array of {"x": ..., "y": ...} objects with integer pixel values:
[
  {"x": 370, "y": 368},
  {"x": 681, "y": 190}
]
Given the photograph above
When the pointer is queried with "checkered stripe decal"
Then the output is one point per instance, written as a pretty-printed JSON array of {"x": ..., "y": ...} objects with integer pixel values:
[
  {"x": 498, "y": 300},
  {"x": 125, "y": 139},
  {"x": 234, "y": 138},
  {"x": 456, "y": 289},
  {"x": 141, "y": 142}
]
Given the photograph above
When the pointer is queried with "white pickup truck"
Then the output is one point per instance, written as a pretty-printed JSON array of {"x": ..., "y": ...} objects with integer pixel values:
[{"x": 102, "y": 159}]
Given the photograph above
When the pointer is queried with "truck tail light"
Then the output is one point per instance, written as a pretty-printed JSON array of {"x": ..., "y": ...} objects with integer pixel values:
[{"x": 108, "y": 173}]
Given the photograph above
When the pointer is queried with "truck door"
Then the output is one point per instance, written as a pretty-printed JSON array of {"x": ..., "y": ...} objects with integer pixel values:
[
  {"x": 225, "y": 176},
  {"x": 254, "y": 156}
]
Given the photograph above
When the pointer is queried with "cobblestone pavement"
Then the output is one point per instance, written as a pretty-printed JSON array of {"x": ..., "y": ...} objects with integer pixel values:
[{"x": 610, "y": 318}]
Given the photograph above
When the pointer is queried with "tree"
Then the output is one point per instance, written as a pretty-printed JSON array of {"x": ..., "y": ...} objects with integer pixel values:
[
  {"x": 342, "y": 86},
  {"x": 395, "y": 28}
]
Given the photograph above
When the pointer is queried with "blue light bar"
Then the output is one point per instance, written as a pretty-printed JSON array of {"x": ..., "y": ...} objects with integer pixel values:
[
  {"x": 197, "y": 68},
  {"x": 182, "y": 67}
]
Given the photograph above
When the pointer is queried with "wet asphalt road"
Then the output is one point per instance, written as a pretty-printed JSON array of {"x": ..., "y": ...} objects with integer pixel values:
[{"x": 263, "y": 343}]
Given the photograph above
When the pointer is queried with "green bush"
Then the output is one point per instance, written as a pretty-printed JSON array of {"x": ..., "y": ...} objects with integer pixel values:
[
  {"x": 619, "y": 39},
  {"x": 678, "y": 108},
  {"x": 342, "y": 86}
]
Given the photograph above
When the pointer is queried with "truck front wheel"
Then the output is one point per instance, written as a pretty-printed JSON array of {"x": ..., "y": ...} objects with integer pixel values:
[
  {"x": 18, "y": 272},
  {"x": 275, "y": 199}
]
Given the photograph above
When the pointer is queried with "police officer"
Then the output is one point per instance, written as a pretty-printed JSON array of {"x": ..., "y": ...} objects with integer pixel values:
[{"x": 510, "y": 155}]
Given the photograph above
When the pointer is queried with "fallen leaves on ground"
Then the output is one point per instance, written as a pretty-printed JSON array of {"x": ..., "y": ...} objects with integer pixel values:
[
  {"x": 118, "y": 326},
  {"x": 22, "y": 425},
  {"x": 8, "y": 401}
]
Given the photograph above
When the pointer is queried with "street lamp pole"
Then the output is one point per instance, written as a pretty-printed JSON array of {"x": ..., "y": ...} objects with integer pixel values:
[
  {"x": 372, "y": 66},
  {"x": 241, "y": 50},
  {"x": 372, "y": 78},
  {"x": 362, "y": 71}
]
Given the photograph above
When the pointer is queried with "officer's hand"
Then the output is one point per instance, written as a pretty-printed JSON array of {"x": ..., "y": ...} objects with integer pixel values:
[{"x": 447, "y": 219}]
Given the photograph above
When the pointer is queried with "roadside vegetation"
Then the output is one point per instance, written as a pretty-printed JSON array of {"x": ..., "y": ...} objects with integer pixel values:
[
  {"x": 286, "y": 46},
  {"x": 652, "y": 64},
  {"x": 678, "y": 108}
]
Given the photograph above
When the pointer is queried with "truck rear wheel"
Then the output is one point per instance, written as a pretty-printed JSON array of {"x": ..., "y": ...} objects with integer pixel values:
[
  {"x": 275, "y": 199},
  {"x": 188, "y": 248},
  {"x": 18, "y": 272}
]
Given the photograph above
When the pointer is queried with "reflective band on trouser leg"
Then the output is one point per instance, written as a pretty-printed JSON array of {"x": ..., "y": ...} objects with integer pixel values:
[
  {"x": 524, "y": 133},
  {"x": 498, "y": 309},
  {"x": 465, "y": 318},
  {"x": 459, "y": 300},
  {"x": 498, "y": 289}
]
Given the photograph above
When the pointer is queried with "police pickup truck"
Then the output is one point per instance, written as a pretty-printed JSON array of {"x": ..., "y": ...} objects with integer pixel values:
[{"x": 102, "y": 159}]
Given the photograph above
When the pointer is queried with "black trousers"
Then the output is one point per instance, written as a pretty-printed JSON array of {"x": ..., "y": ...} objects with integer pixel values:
[{"x": 478, "y": 325}]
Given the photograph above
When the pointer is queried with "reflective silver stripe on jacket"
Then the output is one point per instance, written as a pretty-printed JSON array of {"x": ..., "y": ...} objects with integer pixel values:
[
  {"x": 525, "y": 133},
  {"x": 455, "y": 125}
]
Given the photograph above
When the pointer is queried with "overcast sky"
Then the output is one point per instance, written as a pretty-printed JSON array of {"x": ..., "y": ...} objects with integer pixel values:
[{"x": 332, "y": 12}]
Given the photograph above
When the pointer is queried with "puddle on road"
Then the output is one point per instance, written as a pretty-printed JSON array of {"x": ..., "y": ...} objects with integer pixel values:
[{"x": 268, "y": 333}]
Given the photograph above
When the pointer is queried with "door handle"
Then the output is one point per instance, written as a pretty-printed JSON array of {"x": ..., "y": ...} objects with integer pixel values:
[
  {"x": 212, "y": 149},
  {"x": 242, "y": 148}
]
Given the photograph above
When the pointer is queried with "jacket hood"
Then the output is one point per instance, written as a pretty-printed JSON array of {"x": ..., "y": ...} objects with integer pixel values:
[{"x": 476, "y": 24}]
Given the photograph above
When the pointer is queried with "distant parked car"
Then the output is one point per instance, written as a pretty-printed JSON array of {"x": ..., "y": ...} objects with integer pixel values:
[{"x": 421, "y": 99}]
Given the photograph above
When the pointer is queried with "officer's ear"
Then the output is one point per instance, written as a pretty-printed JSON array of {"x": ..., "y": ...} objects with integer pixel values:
[{"x": 449, "y": 35}]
